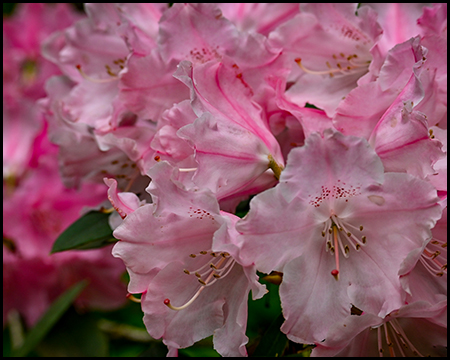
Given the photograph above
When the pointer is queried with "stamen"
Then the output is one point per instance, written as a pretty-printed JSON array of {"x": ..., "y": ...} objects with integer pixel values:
[
  {"x": 207, "y": 274},
  {"x": 333, "y": 228},
  {"x": 399, "y": 330},
  {"x": 431, "y": 258},
  {"x": 340, "y": 69},
  {"x": 99, "y": 81},
  {"x": 380, "y": 342},
  {"x": 388, "y": 341},
  {"x": 336, "y": 220}
]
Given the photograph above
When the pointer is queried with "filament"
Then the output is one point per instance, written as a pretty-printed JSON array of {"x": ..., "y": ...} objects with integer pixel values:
[
  {"x": 187, "y": 169},
  {"x": 340, "y": 69}
]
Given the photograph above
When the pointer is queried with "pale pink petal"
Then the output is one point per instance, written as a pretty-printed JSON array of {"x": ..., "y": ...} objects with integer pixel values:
[
  {"x": 150, "y": 93},
  {"x": 419, "y": 326},
  {"x": 401, "y": 137},
  {"x": 258, "y": 17},
  {"x": 332, "y": 45},
  {"x": 334, "y": 197},
  {"x": 230, "y": 132}
]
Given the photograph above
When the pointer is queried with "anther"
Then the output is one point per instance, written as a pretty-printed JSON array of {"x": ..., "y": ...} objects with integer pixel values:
[
  {"x": 361, "y": 228},
  {"x": 201, "y": 282},
  {"x": 186, "y": 271},
  {"x": 339, "y": 68},
  {"x": 192, "y": 255},
  {"x": 100, "y": 81},
  {"x": 203, "y": 252},
  {"x": 435, "y": 254},
  {"x": 363, "y": 239}
]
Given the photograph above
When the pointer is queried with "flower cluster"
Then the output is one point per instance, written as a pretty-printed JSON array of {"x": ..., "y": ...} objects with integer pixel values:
[
  {"x": 329, "y": 120},
  {"x": 37, "y": 207}
]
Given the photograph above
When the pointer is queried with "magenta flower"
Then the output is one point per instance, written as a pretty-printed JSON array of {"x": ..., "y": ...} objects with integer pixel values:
[
  {"x": 180, "y": 254},
  {"x": 338, "y": 213}
]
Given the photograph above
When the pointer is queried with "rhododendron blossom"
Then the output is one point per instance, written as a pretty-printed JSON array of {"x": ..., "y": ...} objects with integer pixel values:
[
  {"x": 417, "y": 329},
  {"x": 294, "y": 151},
  {"x": 191, "y": 283},
  {"x": 335, "y": 199}
]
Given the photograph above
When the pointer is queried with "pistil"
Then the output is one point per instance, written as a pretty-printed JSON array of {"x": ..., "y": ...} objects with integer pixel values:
[{"x": 335, "y": 240}]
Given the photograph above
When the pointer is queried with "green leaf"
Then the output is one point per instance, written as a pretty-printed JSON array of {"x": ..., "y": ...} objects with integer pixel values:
[
  {"x": 91, "y": 231},
  {"x": 56, "y": 310},
  {"x": 75, "y": 335},
  {"x": 274, "y": 342}
]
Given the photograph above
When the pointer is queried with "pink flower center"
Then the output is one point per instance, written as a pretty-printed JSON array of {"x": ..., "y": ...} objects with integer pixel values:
[
  {"x": 432, "y": 258},
  {"x": 341, "y": 235},
  {"x": 212, "y": 270},
  {"x": 113, "y": 76},
  {"x": 340, "y": 65},
  {"x": 392, "y": 334}
]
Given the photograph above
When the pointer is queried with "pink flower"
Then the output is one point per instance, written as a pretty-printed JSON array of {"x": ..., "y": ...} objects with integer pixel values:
[
  {"x": 394, "y": 127},
  {"x": 35, "y": 213},
  {"x": 230, "y": 133},
  {"x": 335, "y": 199},
  {"x": 24, "y": 74},
  {"x": 423, "y": 274},
  {"x": 398, "y": 21},
  {"x": 24, "y": 68},
  {"x": 418, "y": 329},
  {"x": 329, "y": 48},
  {"x": 179, "y": 253},
  {"x": 149, "y": 93}
]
